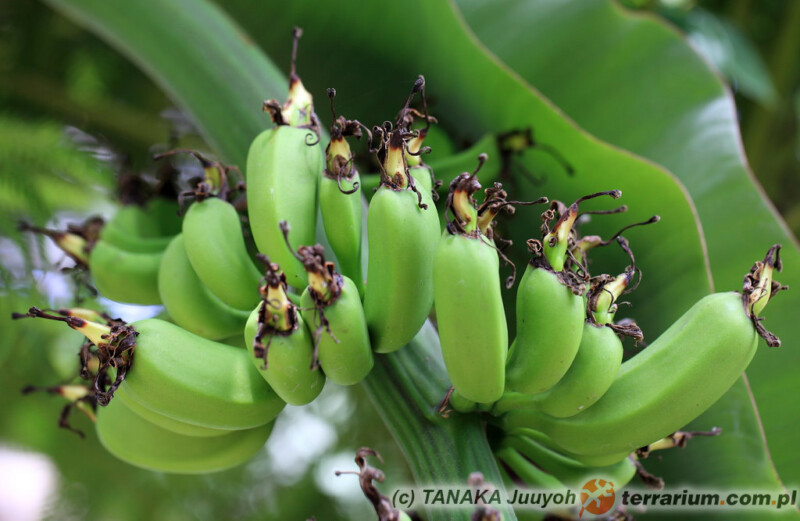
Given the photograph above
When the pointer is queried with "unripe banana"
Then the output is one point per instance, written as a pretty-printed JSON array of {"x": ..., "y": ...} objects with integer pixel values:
[
  {"x": 215, "y": 246},
  {"x": 132, "y": 229},
  {"x": 175, "y": 373},
  {"x": 166, "y": 422},
  {"x": 145, "y": 229},
  {"x": 130, "y": 242},
  {"x": 549, "y": 330},
  {"x": 470, "y": 316},
  {"x": 521, "y": 470},
  {"x": 345, "y": 353},
  {"x": 125, "y": 276},
  {"x": 550, "y": 310},
  {"x": 189, "y": 302},
  {"x": 332, "y": 309},
  {"x": 282, "y": 173},
  {"x": 135, "y": 440},
  {"x": 283, "y": 168},
  {"x": 588, "y": 378},
  {"x": 675, "y": 379},
  {"x": 340, "y": 199},
  {"x": 402, "y": 243},
  {"x": 197, "y": 381},
  {"x": 536, "y": 448},
  {"x": 469, "y": 305},
  {"x": 124, "y": 256},
  {"x": 598, "y": 359},
  {"x": 279, "y": 344},
  {"x": 403, "y": 231}
]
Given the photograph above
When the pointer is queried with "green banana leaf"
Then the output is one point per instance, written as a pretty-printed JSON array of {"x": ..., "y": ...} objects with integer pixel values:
[
  {"x": 212, "y": 70},
  {"x": 633, "y": 80}
]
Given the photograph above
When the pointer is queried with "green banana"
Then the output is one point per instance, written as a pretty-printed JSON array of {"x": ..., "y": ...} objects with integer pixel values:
[
  {"x": 331, "y": 306},
  {"x": 587, "y": 379},
  {"x": 675, "y": 379},
  {"x": 467, "y": 296},
  {"x": 598, "y": 359},
  {"x": 535, "y": 447},
  {"x": 135, "y": 440},
  {"x": 549, "y": 330},
  {"x": 122, "y": 255},
  {"x": 197, "y": 381},
  {"x": 145, "y": 228},
  {"x": 403, "y": 230},
  {"x": 154, "y": 219},
  {"x": 283, "y": 168},
  {"x": 215, "y": 246},
  {"x": 120, "y": 275},
  {"x": 189, "y": 303},
  {"x": 550, "y": 309},
  {"x": 165, "y": 422},
  {"x": 286, "y": 362},
  {"x": 340, "y": 198},
  {"x": 125, "y": 276},
  {"x": 519, "y": 468},
  {"x": 345, "y": 353},
  {"x": 175, "y": 373},
  {"x": 128, "y": 241}
]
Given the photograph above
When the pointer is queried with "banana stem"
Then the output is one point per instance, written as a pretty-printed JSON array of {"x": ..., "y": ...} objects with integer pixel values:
[{"x": 406, "y": 387}]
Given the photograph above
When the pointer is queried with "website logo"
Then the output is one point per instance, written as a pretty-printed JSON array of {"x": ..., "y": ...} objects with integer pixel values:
[{"x": 597, "y": 497}]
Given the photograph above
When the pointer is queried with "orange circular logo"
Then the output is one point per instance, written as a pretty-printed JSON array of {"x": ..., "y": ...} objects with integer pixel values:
[{"x": 597, "y": 497}]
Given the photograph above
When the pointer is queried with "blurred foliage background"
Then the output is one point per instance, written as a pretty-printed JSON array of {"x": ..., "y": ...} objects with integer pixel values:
[{"x": 73, "y": 112}]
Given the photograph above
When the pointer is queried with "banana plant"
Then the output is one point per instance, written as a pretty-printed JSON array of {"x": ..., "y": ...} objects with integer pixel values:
[{"x": 487, "y": 71}]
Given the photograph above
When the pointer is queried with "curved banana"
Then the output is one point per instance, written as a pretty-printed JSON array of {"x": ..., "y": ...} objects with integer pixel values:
[
  {"x": 166, "y": 422},
  {"x": 549, "y": 329},
  {"x": 598, "y": 360},
  {"x": 346, "y": 356},
  {"x": 215, "y": 246},
  {"x": 135, "y": 440},
  {"x": 587, "y": 379},
  {"x": 189, "y": 303},
  {"x": 550, "y": 309},
  {"x": 520, "y": 469},
  {"x": 197, "y": 381},
  {"x": 132, "y": 243},
  {"x": 675, "y": 379},
  {"x": 535, "y": 447}
]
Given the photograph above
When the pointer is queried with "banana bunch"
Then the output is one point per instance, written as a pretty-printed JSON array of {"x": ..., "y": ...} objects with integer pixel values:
[
  {"x": 257, "y": 316},
  {"x": 187, "y": 404}
]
